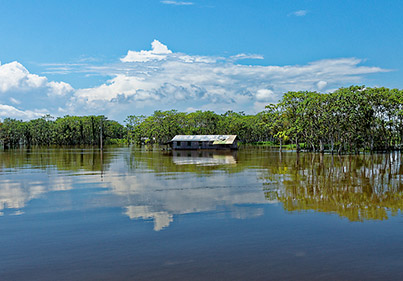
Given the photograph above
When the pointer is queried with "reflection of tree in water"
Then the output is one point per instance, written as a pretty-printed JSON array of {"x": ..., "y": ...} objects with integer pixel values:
[
  {"x": 67, "y": 159},
  {"x": 16, "y": 191},
  {"x": 359, "y": 188},
  {"x": 356, "y": 187},
  {"x": 178, "y": 161}
]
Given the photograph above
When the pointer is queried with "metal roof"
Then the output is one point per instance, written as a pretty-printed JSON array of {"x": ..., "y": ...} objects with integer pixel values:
[{"x": 216, "y": 139}]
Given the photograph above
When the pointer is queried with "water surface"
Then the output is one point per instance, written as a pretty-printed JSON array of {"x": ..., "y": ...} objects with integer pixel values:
[{"x": 253, "y": 214}]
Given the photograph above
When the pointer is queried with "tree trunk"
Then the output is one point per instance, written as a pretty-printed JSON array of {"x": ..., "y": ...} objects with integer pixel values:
[
  {"x": 321, "y": 146},
  {"x": 372, "y": 145},
  {"x": 297, "y": 144}
]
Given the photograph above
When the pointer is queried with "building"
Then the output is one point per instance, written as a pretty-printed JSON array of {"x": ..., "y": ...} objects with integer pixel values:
[{"x": 204, "y": 142}]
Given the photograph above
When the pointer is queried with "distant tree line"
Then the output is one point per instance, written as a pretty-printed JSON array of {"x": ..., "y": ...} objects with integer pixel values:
[
  {"x": 345, "y": 121},
  {"x": 162, "y": 126},
  {"x": 68, "y": 130}
]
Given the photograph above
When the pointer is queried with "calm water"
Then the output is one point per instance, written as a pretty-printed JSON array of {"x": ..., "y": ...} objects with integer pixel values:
[{"x": 255, "y": 214}]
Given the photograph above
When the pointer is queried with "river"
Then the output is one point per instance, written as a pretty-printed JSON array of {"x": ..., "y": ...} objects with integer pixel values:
[{"x": 132, "y": 213}]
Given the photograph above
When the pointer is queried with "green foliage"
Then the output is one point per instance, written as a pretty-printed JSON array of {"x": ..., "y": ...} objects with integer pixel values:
[
  {"x": 68, "y": 130},
  {"x": 116, "y": 141},
  {"x": 348, "y": 120},
  {"x": 162, "y": 126}
]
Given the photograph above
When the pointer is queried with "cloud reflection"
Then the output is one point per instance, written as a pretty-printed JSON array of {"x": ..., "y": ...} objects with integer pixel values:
[
  {"x": 142, "y": 192},
  {"x": 151, "y": 197},
  {"x": 155, "y": 186},
  {"x": 161, "y": 219}
]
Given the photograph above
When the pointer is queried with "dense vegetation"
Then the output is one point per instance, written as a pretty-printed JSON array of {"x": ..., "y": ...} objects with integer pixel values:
[
  {"x": 347, "y": 120},
  {"x": 162, "y": 126},
  {"x": 69, "y": 130}
]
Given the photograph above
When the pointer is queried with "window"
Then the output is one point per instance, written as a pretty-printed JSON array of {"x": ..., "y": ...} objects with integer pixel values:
[
  {"x": 178, "y": 143},
  {"x": 189, "y": 143}
]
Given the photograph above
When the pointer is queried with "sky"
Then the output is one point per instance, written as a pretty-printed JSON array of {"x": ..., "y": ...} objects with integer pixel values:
[{"x": 120, "y": 58}]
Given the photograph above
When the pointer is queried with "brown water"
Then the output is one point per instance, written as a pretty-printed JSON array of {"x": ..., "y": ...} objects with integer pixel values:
[{"x": 254, "y": 214}]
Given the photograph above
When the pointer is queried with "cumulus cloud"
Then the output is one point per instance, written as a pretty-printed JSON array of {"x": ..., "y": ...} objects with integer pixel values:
[
  {"x": 321, "y": 84},
  {"x": 30, "y": 92},
  {"x": 8, "y": 111},
  {"x": 59, "y": 88},
  {"x": 147, "y": 80},
  {"x": 265, "y": 95},
  {"x": 14, "y": 76},
  {"x": 162, "y": 79},
  {"x": 158, "y": 52}
]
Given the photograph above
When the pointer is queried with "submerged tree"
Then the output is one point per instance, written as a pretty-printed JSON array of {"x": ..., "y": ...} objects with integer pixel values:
[
  {"x": 67, "y": 130},
  {"x": 347, "y": 120}
]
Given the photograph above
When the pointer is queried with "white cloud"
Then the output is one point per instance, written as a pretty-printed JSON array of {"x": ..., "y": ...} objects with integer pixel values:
[
  {"x": 177, "y": 3},
  {"x": 265, "y": 95},
  {"x": 162, "y": 79},
  {"x": 148, "y": 80},
  {"x": 159, "y": 52},
  {"x": 15, "y": 101},
  {"x": 321, "y": 84},
  {"x": 8, "y": 111},
  {"x": 30, "y": 92},
  {"x": 59, "y": 88},
  {"x": 15, "y": 77},
  {"x": 247, "y": 56},
  {"x": 299, "y": 13}
]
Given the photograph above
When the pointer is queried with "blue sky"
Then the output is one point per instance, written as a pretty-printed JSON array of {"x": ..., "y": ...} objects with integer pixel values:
[{"x": 72, "y": 57}]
